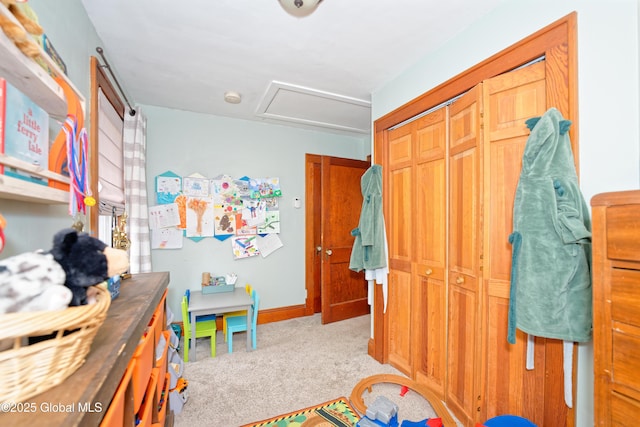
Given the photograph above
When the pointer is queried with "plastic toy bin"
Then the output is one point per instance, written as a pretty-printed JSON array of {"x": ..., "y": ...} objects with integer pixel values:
[
  {"x": 143, "y": 362},
  {"x": 114, "y": 417},
  {"x": 214, "y": 289},
  {"x": 147, "y": 414},
  {"x": 161, "y": 358},
  {"x": 158, "y": 319},
  {"x": 163, "y": 400}
]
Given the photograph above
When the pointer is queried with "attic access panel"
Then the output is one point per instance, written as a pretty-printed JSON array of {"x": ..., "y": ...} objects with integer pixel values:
[{"x": 297, "y": 104}]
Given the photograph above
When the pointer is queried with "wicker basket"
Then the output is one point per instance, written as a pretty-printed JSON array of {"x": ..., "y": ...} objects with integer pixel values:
[{"x": 28, "y": 370}]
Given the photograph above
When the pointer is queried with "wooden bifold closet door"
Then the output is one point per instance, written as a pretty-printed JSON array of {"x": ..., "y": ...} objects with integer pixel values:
[
  {"x": 464, "y": 339},
  {"x": 452, "y": 176},
  {"x": 417, "y": 197}
]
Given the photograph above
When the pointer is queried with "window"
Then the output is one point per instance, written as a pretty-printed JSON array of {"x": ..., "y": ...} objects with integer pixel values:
[{"x": 107, "y": 178}]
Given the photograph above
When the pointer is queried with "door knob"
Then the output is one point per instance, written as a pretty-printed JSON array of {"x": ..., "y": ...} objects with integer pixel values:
[
  {"x": 318, "y": 249},
  {"x": 428, "y": 272},
  {"x": 328, "y": 252},
  {"x": 459, "y": 280}
]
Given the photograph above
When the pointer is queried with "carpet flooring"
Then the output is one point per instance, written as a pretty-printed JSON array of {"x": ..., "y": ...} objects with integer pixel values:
[{"x": 299, "y": 363}]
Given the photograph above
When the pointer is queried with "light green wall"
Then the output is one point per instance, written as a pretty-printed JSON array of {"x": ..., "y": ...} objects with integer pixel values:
[
  {"x": 609, "y": 99},
  {"x": 188, "y": 143}
]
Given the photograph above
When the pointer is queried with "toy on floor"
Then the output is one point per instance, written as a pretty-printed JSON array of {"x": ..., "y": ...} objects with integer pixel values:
[
  {"x": 384, "y": 413},
  {"x": 17, "y": 33},
  {"x": 421, "y": 423},
  {"x": 381, "y": 413},
  {"x": 429, "y": 395},
  {"x": 428, "y": 422}
]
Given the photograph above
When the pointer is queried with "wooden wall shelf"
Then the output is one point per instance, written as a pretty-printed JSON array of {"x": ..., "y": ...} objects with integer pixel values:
[{"x": 32, "y": 80}]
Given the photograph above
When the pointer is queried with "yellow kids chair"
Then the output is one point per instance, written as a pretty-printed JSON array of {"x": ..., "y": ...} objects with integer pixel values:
[
  {"x": 239, "y": 324},
  {"x": 247, "y": 288},
  {"x": 203, "y": 329}
]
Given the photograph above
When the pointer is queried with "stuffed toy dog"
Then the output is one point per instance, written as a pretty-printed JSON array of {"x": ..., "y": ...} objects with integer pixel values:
[
  {"x": 60, "y": 278},
  {"x": 86, "y": 261},
  {"x": 17, "y": 33}
]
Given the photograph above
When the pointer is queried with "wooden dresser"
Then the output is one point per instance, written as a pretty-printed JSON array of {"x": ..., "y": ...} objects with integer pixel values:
[
  {"x": 616, "y": 307},
  {"x": 84, "y": 398}
]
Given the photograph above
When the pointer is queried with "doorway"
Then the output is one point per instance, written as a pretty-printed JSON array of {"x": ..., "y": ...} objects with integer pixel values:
[{"x": 333, "y": 204}]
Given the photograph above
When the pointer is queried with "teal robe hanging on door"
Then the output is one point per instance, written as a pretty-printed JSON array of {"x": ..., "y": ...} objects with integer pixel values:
[
  {"x": 368, "y": 252},
  {"x": 551, "y": 261}
]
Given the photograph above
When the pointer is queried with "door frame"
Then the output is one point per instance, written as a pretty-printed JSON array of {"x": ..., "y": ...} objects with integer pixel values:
[
  {"x": 313, "y": 229},
  {"x": 557, "y": 42},
  {"x": 313, "y": 204}
]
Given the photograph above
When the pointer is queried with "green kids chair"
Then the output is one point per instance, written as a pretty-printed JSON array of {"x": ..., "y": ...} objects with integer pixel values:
[{"x": 205, "y": 328}]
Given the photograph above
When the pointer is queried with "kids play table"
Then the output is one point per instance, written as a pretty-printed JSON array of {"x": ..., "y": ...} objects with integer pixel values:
[{"x": 219, "y": 303}]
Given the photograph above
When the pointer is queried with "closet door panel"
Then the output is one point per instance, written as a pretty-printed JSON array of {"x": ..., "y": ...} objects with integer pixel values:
[
  {"x": 502, "y": 171},
  {"x": 431, "y": 133},
  {"x": 400, "y": 214},
  {"x": 462, "y": 353},
  {"x": 429, "y": 337},
  {"x": 464, "y": 371},
  {"x": 398, "y": 309},
  {"x": 400, "y": 241},
  {"x": 463, "y": 213},
  {"x": 504, "y": 385},
  {"x": 430, "y": 202},
  {"x": 429, "y": 292},
  {"x": 509, "y": 100},
  {"x": 430, "y": 218},
  {"x": 400, "y": 147}
]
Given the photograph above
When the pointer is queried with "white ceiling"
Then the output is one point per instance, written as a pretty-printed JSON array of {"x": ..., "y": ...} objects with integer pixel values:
[{"x": 318, "y": 71}]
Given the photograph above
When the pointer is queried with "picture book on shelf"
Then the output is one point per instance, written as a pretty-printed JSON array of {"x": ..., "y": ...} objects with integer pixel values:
[{"x": 24, "y": 132}]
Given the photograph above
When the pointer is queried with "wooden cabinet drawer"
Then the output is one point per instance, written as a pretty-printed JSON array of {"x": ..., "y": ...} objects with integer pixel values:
[
  {"x": 625, "y": 296},
  {"x": 623, "y": 228}
]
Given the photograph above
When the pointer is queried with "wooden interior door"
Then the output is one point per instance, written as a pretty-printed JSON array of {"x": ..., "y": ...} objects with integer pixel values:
[
  {"x": 399, "y": 217},
  {"x": 509, "y": 100},
  {"x": 343, "y": 291},
  {"x": 464, "y": 333},
  {"x": 429, "y": 326}
]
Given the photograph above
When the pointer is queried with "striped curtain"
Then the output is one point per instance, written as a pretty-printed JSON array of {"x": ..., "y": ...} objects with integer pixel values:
[{"x": 135, "y": 190}]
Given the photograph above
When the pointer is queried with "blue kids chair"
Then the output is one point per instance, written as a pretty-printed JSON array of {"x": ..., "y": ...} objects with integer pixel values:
[
  {"x": 239, "y": 323},
  {"x": 249, "y": 289},
  {"x": 204, "y": 317}
]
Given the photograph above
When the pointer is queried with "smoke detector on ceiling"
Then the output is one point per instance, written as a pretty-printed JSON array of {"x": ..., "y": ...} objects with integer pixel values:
[{"x": 232, "y": 97}]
